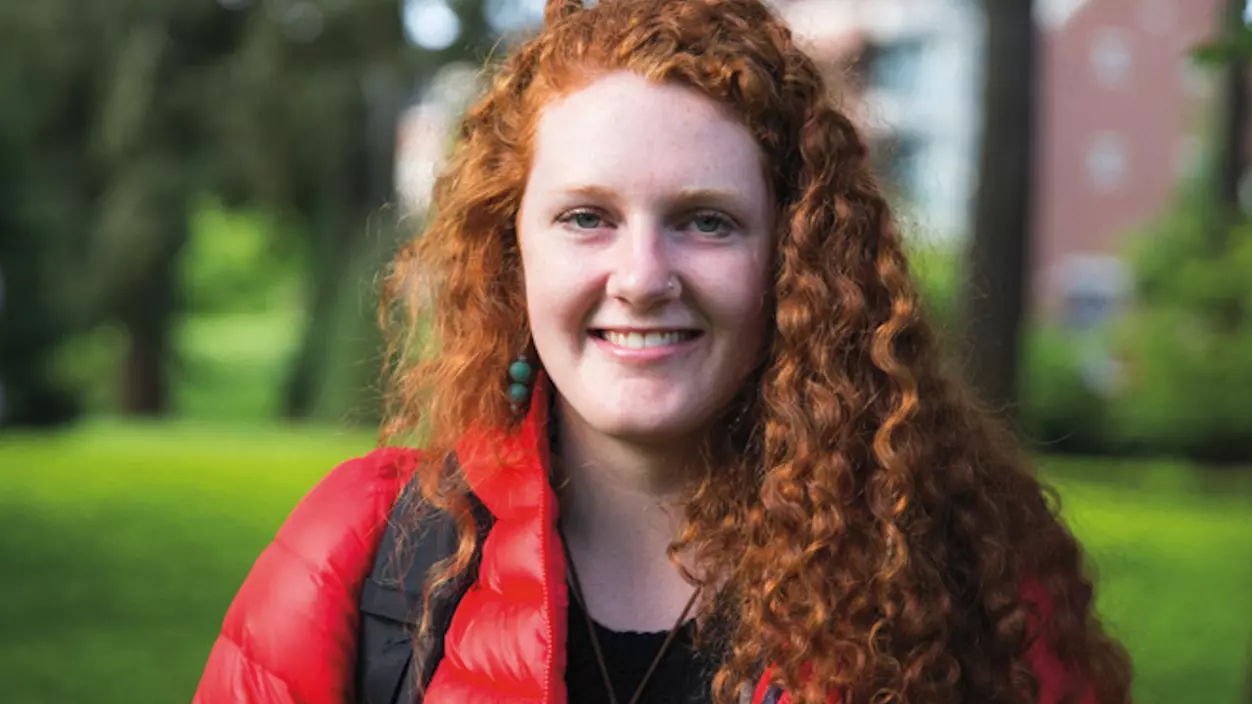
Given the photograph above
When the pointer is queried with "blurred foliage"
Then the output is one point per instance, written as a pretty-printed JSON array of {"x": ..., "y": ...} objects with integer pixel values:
[
  {"x": 88, "y": 363},
  {"x": 254, "y": 139},
  {"x": 1172, "y": 376},
  {"x": 1169, "y": 378},
  {"x": 1062, "y": 409},
  {"x": 238, "y": 261},
  {"x": 1230, "y": 45},
  {"x": 231, "y": 364},
  {"x": 936, "y": 269},
  {"x": 1187, "y": 345}
]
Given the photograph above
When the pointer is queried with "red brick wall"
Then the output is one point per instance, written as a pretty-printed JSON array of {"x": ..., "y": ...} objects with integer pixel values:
[{"x": 1152, "y": 109}]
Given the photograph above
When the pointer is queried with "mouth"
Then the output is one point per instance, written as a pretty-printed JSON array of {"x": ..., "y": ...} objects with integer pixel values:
[{"x": 645, "y": 339}]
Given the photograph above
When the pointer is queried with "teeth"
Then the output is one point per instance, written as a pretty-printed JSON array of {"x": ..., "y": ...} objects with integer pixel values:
[{"x": 638, "y": 341}]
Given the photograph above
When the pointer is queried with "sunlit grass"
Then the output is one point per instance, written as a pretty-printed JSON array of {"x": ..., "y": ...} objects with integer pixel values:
[
  {"x": 122, "y": 545},
  {"x": 1173, "y": 550}
]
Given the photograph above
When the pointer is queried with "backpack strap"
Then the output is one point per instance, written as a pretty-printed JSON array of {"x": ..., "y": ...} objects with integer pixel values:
[{"x": 391, "y": 602}]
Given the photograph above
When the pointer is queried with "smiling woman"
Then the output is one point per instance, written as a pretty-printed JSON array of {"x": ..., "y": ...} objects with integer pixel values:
[
  {"x": 645, "y": 234},
  {"x": 686, "y": 435}
]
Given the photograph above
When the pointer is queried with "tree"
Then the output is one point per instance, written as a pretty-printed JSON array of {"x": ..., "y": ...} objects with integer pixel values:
[
  {"x": 103, "y": 112},
  {"x": 307, "y": 124},
  {"x": 142, "y": 214},
  {"x": 1231, "y": 162},
  {"x": 115, "y": 116},
  {"x": 1231, "y": 122},
  {"x": 996, "y": 293},
  {"x": 49, "y": 183}
]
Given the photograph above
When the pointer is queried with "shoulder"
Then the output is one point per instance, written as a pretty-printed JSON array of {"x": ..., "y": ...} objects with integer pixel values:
[
  {"x": 290, "y": 633},
  {"x": 348, "y": 506}
]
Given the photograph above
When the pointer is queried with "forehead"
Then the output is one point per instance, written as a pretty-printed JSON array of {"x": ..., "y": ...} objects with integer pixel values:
[{"x": 624, "y": 128}]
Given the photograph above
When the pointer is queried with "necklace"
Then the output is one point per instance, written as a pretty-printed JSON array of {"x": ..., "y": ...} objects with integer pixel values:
[{"x": 595, "y": 642}]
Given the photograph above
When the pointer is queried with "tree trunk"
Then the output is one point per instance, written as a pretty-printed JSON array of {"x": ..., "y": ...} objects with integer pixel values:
[
  {"x": 995, "y": 297},
  {"x": 1231, "y": 127},
  {"x": 32, "y": 328},
  {"x": 1226, "y": 209},
  {"x": 1229, "y": 169},
  {"x": 148, "y": 319},
  {"x": 328, "y": 268},
  {"x": 146, "y": 389},
  {"x": 338, "y": 241}
]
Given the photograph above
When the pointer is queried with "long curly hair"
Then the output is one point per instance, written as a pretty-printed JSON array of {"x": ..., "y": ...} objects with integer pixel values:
[{"x": 872, "y": 526}]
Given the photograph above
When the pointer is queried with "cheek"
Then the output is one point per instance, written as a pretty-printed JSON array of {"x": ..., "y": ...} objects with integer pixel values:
[
  {"x": 738, "y": 298},
  {"x": 557, "y": 297}
]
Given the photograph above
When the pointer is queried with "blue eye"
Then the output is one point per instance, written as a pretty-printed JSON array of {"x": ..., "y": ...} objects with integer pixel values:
[
  {"x": 582, "y": 219},
  {"x": 711, "y": 224},
  {"x": 587, "y": 220}
]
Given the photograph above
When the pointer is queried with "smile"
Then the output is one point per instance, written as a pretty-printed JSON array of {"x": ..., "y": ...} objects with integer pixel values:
[{"x": 645, "y": 339}]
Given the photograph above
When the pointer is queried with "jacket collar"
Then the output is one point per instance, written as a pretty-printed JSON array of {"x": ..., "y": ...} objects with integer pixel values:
[
  {"x": 508, "y": 470},
  {"x": 508, "y": 631}
]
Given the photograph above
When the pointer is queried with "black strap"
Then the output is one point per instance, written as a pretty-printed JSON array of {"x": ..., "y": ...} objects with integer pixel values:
[{"x": 391, "y": 602}]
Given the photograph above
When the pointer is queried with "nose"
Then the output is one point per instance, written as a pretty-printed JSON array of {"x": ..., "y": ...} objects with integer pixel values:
[{"x": 643, "y": 274}]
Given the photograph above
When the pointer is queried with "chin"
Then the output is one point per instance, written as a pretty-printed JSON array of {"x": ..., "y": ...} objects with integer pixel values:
[{"x": 647, "y": 427}]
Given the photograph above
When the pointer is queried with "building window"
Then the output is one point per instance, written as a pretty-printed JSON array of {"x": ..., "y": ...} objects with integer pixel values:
[
  {"x": 1093, "y": 289},
  {"x": 895, "y": 66},
  {"x": 1085, "y": 310},
  {"x": 1111, "y": 57},
  {"x": 1106, "y": 161}
]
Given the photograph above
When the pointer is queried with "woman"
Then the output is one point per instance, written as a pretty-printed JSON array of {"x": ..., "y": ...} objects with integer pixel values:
[{"x": 740, "y": 471}]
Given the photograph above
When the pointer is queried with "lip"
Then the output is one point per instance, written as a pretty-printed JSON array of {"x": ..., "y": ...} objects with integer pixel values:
[{"x": 645, "y": 354}]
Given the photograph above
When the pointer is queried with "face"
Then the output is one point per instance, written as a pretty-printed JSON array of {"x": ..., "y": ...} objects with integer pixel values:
[{"x": 646, "y": 234}]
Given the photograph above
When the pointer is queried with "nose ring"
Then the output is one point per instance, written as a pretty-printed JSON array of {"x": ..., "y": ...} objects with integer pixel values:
[{"x": 671, "y": 284}]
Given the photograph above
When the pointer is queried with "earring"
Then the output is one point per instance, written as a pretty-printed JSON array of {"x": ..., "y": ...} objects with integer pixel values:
[{"x": 520, "y": 375}]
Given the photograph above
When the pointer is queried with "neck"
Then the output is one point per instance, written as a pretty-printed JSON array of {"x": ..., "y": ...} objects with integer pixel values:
[
  {"x": 614, "y": 482},
  {"x": 621, "y": 507}
]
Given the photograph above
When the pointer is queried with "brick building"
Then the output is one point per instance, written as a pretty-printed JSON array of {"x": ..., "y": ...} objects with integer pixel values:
[
  {"x": 1121, "y": 107},
  {"x": 1123, "y": 111}
]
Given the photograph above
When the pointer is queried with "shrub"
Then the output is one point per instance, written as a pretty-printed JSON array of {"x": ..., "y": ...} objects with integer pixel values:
[
  {"x": 1063, "y": 403},
  {"x": 1188, "y": 343}
]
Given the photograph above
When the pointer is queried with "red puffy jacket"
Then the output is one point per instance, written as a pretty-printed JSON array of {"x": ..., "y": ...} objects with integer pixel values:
[{"x": 290, "y": 634}]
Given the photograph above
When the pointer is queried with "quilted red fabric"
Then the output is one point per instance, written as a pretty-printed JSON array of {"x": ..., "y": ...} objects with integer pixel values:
[
  {"x": 507, "y": 639},
  {"x": 290, "y": 634}
]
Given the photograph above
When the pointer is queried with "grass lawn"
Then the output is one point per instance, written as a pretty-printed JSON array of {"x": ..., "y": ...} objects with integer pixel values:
[{"x": 123, "y": 544}]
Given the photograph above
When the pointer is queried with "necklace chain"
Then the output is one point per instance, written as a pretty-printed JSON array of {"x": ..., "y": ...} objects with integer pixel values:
[{"x": 595, "y": 641}]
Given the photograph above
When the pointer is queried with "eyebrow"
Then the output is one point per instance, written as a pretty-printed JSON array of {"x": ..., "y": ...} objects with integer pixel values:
[{"x": 684, "y": 197}]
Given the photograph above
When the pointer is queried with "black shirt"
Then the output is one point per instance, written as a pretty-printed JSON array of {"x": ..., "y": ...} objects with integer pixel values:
[{"x": 683, "y": 676}]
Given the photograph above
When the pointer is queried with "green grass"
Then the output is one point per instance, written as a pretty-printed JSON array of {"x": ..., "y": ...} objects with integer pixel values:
[
  {"x": 1172, "y": 547},
  {"x": 122, "y": 545}
]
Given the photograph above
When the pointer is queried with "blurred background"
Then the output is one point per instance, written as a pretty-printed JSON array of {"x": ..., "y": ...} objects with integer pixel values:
[{"x": 197, "y": 198}]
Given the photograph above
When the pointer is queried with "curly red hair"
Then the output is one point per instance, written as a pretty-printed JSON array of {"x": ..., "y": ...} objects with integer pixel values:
[{"x": 875, "y": 527}]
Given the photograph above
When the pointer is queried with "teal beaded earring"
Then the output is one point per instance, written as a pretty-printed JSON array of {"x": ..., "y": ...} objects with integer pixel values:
[{"x": 520, "y": 376}]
